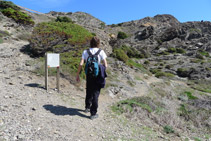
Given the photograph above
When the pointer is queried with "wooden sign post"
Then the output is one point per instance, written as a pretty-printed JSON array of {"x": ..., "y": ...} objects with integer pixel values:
[{"x": 52, "y": 60}]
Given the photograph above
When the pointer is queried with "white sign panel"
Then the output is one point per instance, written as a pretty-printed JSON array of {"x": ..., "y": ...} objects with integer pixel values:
[{"x": 53, "y": 60}]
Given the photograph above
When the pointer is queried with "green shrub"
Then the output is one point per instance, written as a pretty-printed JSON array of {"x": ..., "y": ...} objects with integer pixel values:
[
  {"x": 146, "y": 62},
  {"x": 190, "y": 96},
  {"x": 164, "y": 53},
  {"x": 8, "y": 4},
  {"x": 163, "y": 74},
  {"x": 182, "y": 72},
  {"x": 129, "y": 104},
  {"x": 75, "y": 34},
  {"x": 121, "y": 55},
  {"x": 172, "y": 50},
  {"x": 122, "y": 35},
  {"x": 204, "y": 53},
  {"x": 132, "y": 63},
  {"x": 180, "y": 50},
  {"x": 146, "y": 103},
  {"x": 4, "y": 33},
  {"x": 132, "y": 52},
  {"x": 199, "y": 56},
  {"x": 18, "y": 16},
  {"x": 102, "y": 25},
  {"x": 114, "y": 25},
  {"x": 168, "y": 129},
  {"x": 94, "y": 34},
  {"x": 49, "y": 36},
  {"x": 154, "y": 70},
  {"x": 197, "y": 139},
  {"x": 129, "y": 51},
  {"x": 64, "y": 19},
  {"x": 168, "y": 66}
]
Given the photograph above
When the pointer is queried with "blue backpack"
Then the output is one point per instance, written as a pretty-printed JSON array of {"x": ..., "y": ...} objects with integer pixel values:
[{"x": 92, "y": 66}]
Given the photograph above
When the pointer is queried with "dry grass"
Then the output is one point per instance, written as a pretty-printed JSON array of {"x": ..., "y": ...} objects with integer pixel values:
[{"x": 190, "y": 116}]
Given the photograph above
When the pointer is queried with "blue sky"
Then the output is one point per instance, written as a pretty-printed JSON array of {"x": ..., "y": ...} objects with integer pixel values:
[{"x": 117, "y": 11}]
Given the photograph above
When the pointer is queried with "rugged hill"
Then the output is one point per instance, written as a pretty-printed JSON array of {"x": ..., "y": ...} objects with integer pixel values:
[
  {"x": 178, "y": 45},
  {"x": 158, "y": 85}
]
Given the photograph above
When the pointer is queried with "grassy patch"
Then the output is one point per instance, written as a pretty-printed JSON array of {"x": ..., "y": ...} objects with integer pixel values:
[
  {"x": 132, "y": 63},
  {"x": 158, "y": 73},
  {"x": 201, "y": 85},
  {"x": 146, "y": 103},
  {"x": 197, "y": 139},
  {"x": 183, "y": 111},
  {"x": 190, "y": 96},
  {"x": 127, "y": 105}
]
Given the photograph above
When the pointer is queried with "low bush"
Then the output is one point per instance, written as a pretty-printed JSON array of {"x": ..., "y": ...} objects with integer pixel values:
[
  {"x": 163, "y": 74},
  {"x": 18, "y": 16},
  {"x": 58, "y": 37},
  {"x": 154, "y": 70},
  {"x": 180, "y": 50},
  {"x": 122, "y": 35},
  {"x": 64, "y": 19},
  {"x": 168, "y": 129},
  {"x": 129, "y": 104},
  {"x": 199, "y": 56},
  {"x": 124, "y": 53},
  {"x": 120, "y": 55},
  {"x": 204, "y": 53},
  {"x": 8, "y": 4},
  {"x": 172, "y": 50},
  {"x": 146, "y": 62},
  {"x": 182, "y": 72}
]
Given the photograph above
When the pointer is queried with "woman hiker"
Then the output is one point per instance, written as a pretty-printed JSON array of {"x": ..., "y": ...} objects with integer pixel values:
[{"x": 93, "y": 85}]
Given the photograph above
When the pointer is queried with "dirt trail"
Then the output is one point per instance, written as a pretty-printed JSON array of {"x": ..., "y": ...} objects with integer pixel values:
[{"x": 28, "y": 112}]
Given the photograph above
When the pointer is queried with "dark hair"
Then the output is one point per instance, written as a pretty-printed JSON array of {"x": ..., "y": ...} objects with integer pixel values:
[{"x": 95, "y": 42}]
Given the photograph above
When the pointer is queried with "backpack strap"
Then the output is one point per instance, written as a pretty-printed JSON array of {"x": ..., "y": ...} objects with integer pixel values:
[
  {"x": 88, "y": 51},
  {"x": 98, "y": 52}
]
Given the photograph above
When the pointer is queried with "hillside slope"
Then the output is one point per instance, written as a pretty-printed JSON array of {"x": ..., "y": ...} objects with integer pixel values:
[{"x": 158, "y": 84}]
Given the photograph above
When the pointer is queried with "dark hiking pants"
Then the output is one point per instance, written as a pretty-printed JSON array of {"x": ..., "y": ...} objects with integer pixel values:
[{"x": 92, "y": 94}]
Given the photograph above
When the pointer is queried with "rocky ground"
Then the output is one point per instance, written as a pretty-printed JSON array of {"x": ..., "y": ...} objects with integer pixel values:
[{"x": 28, "y": 112}]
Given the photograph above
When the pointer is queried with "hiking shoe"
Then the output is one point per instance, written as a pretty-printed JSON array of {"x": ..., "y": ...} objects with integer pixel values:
[
  {"x": 94, "y": 116},
  {"x": 87, "y": 110}
]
